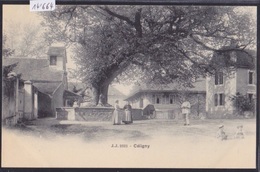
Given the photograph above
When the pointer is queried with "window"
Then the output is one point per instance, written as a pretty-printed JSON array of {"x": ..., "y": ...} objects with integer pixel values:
[
  {"x": 171, "y": 101},
  {"x": 219, "y": 99},
  {"x": 250, "y": 77},
  {"x": 53, "y": 60},
  {"x": 158, "y": 100},
  {"x": 218, "y": 78}
]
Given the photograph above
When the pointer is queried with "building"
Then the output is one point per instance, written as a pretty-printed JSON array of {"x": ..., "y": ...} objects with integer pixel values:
[
  {"x": 42, "y": 86},
  {"x": 165, "y": 100},
  {"x": 235, "y": 75}
]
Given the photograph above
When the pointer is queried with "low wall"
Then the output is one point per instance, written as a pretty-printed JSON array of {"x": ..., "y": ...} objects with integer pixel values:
[
  {"x": 137, "y": 114},
  {"x": 93, "y": 113}
]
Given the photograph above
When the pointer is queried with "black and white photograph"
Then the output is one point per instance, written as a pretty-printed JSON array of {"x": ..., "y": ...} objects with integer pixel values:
[{"x": 129, "y": 86}]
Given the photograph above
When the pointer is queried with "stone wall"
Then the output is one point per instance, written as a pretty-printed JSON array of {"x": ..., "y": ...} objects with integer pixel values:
[{"x": 93, "y": 114}]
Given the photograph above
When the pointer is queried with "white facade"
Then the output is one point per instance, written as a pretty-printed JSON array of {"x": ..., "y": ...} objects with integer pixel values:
[{"x": 233, "y": 82}]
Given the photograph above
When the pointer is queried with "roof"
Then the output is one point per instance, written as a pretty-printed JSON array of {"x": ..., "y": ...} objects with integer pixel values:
[
  {"x": 57, "y": 51},
  {"x": 198, "y": 87},
  {"x": 34, "y": 69},
  {"x": 47, "y": 88},
  {"x": 113, "y": 91},
  {"x": 70, "y": 94},
  {"x": 78, "y": 85},
  {"x": 244, "y": 59}
]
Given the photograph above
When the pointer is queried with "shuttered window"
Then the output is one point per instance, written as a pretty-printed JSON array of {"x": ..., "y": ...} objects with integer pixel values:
[
  {"x": 219, "y": 78},
  {"x": 250, "y": 77},
  {"x": 219, "y": 99}
]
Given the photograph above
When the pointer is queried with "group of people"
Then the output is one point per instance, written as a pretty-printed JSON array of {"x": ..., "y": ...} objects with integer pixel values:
[
  {"x": 126, "y": 118},
  {"x": 223, "y": 136}
]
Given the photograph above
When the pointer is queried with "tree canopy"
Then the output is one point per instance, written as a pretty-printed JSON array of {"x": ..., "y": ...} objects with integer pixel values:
[{"x": 159, "y": 44}]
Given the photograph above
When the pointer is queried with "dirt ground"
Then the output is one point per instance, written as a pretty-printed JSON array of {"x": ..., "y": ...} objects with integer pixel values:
[{"x": 144, "y": 144}]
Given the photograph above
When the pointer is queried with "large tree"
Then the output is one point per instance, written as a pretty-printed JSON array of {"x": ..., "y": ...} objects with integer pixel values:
[{"x": 162, "y": 44}]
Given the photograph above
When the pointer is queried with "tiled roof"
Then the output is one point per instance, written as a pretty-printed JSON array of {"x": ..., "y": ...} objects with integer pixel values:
[
  {"x": 34, "y": 69},
  {"x": 68, "y": 93},
  {"x": 198, "y": 86},
  {"x": 244, "y": 59},
  {"x": 78, "y": 85},
  {"x": 47, "y": 88}
]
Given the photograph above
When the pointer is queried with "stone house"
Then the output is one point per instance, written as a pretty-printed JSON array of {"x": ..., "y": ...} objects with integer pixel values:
[
  {"x": 227, "y": 82},
  {"x": 166, "y": 100},
  {"x": 43, "y": 84}
]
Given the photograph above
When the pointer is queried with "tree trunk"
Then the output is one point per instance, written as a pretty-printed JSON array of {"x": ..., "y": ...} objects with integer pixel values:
[
  {"x": 100, "y": 94},
  {"x": 95, "y": 95},
  {"x": 104, "y": 93}
]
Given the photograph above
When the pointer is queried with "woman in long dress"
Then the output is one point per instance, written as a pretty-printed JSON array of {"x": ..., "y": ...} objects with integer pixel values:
[
  {"x": 128, "y": 114},
  {"x": 115, "y": 117}
]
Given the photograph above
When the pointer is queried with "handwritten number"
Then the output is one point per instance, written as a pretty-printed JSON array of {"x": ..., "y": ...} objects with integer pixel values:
[{"x": 43, "y": 6}]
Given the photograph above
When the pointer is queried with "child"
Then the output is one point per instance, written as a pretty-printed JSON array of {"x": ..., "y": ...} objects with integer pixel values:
[
  {"x": 221, "y": 134},
  {"x": 239, "y": 133}
]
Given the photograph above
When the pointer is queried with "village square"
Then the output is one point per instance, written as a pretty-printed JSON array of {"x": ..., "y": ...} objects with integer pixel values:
[{"x": 133, "y": 81}]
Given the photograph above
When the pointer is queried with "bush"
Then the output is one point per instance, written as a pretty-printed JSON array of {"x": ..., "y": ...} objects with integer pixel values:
[{"x": 242, "y": 103}]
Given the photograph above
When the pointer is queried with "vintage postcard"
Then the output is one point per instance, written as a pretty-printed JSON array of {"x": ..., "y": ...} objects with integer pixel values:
[{"x": 129, "y": 86}]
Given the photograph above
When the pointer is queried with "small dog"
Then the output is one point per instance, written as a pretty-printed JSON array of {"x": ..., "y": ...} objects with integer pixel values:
[{"x": 240, "y": 133}]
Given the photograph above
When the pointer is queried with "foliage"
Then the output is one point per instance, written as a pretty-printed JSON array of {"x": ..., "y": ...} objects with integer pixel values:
[
  {"x": 152, "y": 44},
  {"x": 6, "y": 50},
  {"x": 26, "y": 39},
  {"x": 9, "y": 78},
  {"x": 242, "y": 103}
]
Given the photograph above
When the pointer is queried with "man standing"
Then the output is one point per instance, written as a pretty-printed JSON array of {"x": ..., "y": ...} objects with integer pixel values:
[{"x": 185, "y": 107}]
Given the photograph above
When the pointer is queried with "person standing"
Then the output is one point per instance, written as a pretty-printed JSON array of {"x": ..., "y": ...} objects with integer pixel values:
[
  {"x": 128, "y": 114},
  {"x": 115, "y": 117},
  {"x": 185, "y": 107}
]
